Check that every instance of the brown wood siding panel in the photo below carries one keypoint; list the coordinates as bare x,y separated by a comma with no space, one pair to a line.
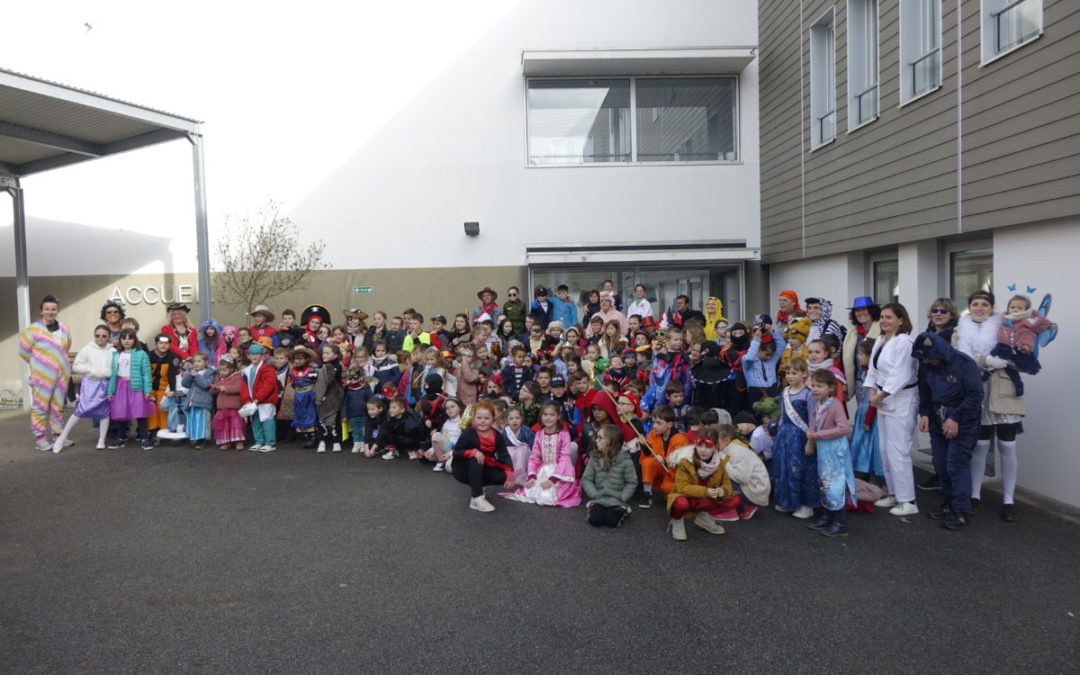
1010,213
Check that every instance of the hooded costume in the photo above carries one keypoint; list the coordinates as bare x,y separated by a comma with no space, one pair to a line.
712,317
825,325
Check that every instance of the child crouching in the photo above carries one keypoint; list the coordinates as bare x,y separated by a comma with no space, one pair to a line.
702,488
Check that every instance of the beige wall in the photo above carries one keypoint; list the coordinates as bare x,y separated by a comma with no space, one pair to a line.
430,291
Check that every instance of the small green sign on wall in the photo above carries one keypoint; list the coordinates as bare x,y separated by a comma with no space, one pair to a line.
363,290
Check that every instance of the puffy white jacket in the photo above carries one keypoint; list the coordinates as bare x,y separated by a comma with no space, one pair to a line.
93,361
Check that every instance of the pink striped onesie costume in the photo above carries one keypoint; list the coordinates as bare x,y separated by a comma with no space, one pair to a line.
47,353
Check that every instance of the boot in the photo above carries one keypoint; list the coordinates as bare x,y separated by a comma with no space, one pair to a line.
838,527
823,520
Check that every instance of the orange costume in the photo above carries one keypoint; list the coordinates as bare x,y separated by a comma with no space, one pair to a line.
660,476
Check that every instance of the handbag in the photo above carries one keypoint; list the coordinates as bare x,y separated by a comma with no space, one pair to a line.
248,409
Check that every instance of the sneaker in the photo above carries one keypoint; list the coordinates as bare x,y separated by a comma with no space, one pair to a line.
747,511
646,501
146,444
321,447
974,505
625,515
886,502
782,509
940,513
413,454
481,504
727,516
821,522
439,466
704,521
931,483
1008,513
678,529
355,448
390,454
268,448
337,447
904,509
256,448
116,444
804,512
43,445
955,522
834,530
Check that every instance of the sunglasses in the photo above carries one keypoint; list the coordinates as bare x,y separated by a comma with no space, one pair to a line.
112,311
940,310
104,335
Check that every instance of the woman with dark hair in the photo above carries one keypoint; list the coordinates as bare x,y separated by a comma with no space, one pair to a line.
506,335
460,333
44,346
891,380
591,306
864,317
1002,410
112,313
943,318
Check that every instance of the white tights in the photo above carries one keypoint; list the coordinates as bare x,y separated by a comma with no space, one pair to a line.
72,421
1009,468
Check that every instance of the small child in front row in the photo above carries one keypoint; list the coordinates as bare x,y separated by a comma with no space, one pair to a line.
828,435
229,427
702,488
794,475
200,399
443,440
130,390
376,415
609,480
663,439
328,397
519,442
552,479
865,448
480,457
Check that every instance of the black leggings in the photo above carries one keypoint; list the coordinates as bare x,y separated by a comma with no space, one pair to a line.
611,516
476,475
1005,432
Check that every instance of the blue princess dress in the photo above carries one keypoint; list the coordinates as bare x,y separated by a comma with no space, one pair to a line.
794,475
865,454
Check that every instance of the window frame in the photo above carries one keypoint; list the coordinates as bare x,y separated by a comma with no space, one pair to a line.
736,121
988,29
827,21
852,98
906,82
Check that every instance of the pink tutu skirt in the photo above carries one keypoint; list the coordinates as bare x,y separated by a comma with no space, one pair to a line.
128,404
229,427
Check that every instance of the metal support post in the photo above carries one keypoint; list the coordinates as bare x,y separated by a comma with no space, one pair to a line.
202,235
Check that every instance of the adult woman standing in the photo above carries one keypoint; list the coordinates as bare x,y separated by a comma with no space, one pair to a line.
183,338
864,318
892,379
112,313
943,318
640,305
44,345
1002,410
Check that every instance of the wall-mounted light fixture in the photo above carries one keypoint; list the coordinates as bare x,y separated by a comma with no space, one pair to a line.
472,229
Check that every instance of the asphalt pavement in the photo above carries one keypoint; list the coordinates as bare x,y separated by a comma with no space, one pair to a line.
174,560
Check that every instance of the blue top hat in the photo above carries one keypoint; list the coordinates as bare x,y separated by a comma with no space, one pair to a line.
862,301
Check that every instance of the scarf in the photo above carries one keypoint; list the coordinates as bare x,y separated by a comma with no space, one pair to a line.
977,338
706,469
824,365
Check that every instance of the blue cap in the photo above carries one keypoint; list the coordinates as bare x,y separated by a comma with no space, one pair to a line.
862,301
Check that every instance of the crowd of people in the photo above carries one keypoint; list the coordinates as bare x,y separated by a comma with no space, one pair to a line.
599,403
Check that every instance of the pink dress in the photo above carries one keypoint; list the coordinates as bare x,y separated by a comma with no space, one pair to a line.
550,460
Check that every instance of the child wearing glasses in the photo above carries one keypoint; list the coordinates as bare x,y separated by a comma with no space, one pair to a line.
92,368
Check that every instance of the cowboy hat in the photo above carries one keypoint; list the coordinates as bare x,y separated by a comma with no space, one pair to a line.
356,313
487,289
307,351
265,311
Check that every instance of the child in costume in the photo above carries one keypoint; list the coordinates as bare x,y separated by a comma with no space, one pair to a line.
609,480
656,470
93,364
260,386
794,475
359,389
519,439
164,364
702,488
328,398
229,427
480,457
552,480
820,357
1017,337
200,399
302,377
798,332
130,391
828,434
865,454
443,440
384,366
760,362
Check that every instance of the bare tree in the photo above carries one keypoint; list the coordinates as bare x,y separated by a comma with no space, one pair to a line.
261,257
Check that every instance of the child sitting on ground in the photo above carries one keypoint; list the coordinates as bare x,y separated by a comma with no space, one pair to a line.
403,430
609,480
480,457
376,416
552,480
519,439
443,440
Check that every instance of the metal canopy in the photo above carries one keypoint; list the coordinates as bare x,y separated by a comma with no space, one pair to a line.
45,125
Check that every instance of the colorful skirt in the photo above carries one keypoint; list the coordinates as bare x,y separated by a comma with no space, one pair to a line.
794,475
304,416
865,452
198,423
128,404
229,427
93,399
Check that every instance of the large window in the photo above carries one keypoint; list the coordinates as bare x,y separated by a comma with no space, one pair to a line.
920,48
646,119
886,274
862,49
1007,24
970,271
822,81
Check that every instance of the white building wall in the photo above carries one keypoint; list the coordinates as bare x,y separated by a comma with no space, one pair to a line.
829,277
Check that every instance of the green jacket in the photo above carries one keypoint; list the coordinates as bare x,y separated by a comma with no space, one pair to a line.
613,487
140,372
515,311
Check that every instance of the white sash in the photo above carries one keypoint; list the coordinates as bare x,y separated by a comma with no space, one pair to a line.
793,417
